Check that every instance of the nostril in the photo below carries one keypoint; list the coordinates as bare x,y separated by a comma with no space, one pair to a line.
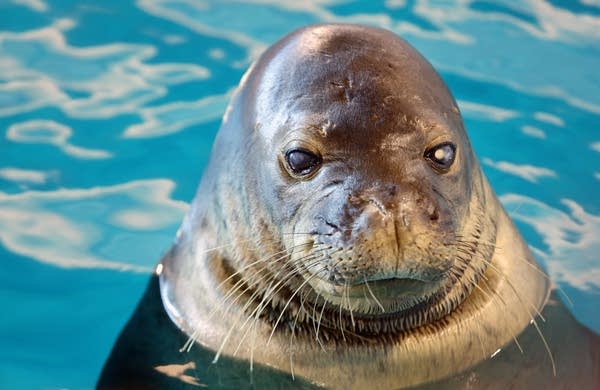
434,216
332,225
392,189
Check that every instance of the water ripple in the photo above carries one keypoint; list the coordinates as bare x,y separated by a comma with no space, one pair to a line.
52,133
121,227
39,68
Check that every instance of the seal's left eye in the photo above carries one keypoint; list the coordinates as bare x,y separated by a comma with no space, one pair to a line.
442,155
302,162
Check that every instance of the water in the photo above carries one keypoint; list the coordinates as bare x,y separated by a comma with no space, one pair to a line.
108,111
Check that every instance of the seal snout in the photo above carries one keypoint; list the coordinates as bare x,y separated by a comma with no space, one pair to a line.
384,232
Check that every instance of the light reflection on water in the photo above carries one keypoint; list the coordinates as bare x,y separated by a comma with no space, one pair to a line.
108,110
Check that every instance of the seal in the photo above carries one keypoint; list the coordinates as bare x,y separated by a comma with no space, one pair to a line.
343,232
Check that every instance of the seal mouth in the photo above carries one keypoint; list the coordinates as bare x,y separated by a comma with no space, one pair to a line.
394,287
376,297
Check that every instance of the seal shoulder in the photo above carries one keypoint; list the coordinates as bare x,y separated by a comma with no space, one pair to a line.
148,355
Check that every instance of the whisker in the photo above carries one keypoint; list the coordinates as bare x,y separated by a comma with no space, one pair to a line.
241,282
280,253
256,316
492,266
294,335
245,307
341,323
346,294
373,295
287,304
545,346
272,289
301,233
533,265
192,338
498,297
532,316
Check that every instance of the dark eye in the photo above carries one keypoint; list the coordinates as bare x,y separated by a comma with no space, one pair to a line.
442,155
302,162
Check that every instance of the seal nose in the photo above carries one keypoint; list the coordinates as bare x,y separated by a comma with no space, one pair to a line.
383,197
382,232
408,207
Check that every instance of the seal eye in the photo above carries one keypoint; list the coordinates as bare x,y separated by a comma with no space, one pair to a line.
301,162
442,155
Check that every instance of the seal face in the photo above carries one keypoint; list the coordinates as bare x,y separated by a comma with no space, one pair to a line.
343,209
373,182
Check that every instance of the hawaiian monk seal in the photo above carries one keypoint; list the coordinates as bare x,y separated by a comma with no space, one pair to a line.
343,231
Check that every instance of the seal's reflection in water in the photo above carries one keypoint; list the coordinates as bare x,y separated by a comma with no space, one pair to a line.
344,232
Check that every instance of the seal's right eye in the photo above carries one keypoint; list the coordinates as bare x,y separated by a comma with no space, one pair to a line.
302,162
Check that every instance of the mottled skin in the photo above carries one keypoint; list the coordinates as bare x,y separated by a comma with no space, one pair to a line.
375,268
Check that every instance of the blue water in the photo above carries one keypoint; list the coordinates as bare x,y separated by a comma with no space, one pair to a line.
108,110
